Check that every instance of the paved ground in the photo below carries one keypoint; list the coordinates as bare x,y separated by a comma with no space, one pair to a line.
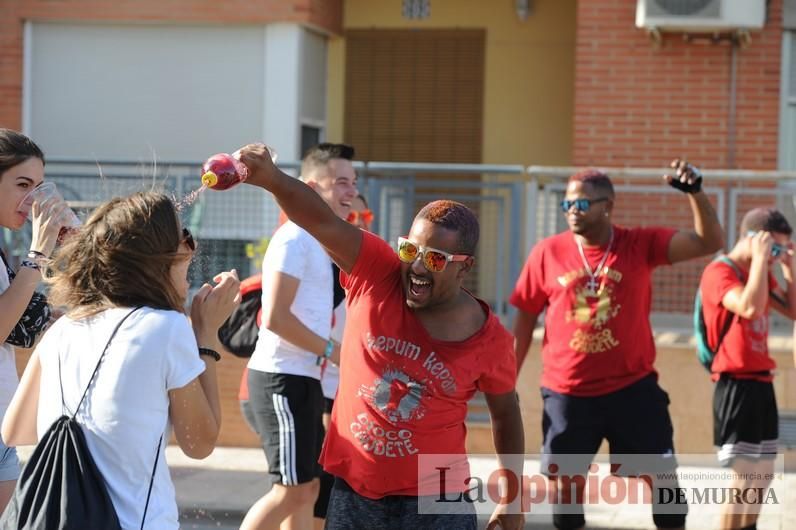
216,492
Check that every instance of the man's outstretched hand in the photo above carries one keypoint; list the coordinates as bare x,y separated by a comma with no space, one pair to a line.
257,158
687,178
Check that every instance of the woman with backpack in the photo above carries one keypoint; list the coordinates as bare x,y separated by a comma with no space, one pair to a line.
126,343
23,312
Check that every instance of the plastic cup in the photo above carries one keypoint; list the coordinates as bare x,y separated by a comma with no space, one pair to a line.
40,194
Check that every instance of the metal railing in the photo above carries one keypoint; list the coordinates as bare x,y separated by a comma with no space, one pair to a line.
650,202
516,206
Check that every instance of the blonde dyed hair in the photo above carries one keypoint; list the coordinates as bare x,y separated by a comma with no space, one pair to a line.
121,257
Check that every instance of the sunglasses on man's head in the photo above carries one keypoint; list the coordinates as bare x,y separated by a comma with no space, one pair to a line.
188,239
433,260
366,215
581,205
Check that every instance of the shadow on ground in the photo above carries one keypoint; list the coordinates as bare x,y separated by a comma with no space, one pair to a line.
218,499
203,520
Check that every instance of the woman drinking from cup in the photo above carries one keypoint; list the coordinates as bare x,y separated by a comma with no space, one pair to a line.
23,312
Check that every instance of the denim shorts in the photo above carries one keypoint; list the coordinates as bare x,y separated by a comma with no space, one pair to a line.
9,463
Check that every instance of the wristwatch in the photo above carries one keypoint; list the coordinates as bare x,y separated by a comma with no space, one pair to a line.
212,353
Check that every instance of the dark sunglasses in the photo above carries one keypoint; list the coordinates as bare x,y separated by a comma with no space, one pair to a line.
581,205
187,238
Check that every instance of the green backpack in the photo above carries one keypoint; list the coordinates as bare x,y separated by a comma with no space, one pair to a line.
704,352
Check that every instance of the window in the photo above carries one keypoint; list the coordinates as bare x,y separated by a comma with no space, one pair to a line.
787,132
310,136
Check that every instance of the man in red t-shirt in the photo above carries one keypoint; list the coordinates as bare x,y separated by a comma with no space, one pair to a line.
737,293
598,380
416,348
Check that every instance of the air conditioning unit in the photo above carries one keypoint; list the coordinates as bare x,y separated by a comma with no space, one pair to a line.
700,15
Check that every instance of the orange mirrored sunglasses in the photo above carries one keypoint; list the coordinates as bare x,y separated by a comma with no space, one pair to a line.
434,260
366,215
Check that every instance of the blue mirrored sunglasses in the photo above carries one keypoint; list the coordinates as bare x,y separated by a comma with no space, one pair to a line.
776,249
580,205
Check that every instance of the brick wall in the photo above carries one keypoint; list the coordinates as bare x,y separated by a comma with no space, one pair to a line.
325,15
637,105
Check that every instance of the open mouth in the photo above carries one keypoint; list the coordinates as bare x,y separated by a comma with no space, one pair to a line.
419,287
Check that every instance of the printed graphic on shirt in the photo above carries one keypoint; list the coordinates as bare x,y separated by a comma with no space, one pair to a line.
594,305
398,396
391,443
758,334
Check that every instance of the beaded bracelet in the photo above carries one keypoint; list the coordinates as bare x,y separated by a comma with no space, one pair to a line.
30,264
212,353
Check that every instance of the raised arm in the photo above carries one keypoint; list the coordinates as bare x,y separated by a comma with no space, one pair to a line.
195,409
303,206
707,236
750,302
15,299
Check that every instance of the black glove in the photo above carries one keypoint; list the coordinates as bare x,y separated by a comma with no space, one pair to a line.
690,173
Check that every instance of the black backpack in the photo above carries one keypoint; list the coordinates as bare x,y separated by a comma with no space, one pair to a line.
60,487
239,332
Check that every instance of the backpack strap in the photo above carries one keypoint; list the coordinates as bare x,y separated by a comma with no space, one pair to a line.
724,330
151,481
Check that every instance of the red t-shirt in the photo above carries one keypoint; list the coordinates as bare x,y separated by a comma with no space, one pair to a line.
403,393
594,343
744,349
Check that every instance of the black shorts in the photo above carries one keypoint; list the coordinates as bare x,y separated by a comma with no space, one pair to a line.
248,415
287,412
327,405
635,421
745,419
348,510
